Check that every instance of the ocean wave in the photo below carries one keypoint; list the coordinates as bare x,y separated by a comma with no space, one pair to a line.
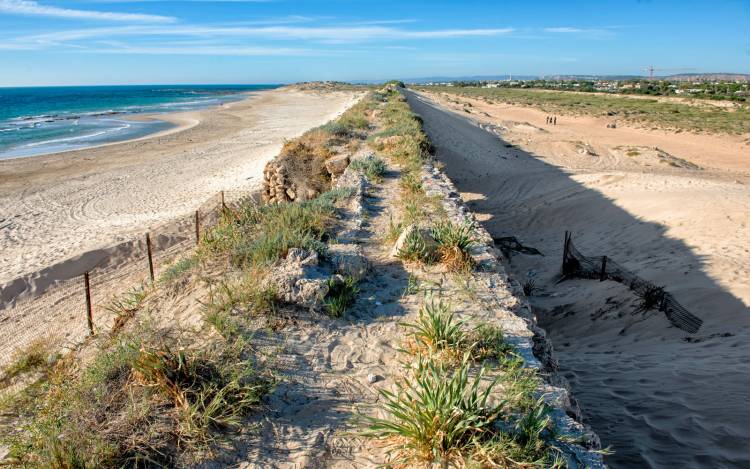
78,137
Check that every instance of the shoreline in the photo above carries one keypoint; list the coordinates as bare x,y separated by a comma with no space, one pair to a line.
175,118
59,205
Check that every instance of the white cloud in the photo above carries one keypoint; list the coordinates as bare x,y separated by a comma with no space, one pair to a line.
563,29
29,7
337,34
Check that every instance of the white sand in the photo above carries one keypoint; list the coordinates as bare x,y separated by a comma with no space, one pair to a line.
660,397
58,206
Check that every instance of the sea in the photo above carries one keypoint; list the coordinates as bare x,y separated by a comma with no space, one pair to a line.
42,120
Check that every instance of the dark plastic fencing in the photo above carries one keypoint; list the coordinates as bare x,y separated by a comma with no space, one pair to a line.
576,265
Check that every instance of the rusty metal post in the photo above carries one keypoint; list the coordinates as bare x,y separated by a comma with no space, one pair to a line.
197,227
89,312
603,273
223,204
150,258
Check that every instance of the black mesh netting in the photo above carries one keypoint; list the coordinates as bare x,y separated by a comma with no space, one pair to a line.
576,265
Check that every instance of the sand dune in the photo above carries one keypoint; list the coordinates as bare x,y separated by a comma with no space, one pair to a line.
659,396
58,206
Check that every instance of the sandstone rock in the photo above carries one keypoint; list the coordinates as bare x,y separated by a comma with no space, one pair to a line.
299,278
292,195
337,164
349,260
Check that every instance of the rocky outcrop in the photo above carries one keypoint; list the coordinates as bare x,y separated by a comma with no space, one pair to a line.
300,279
337,164
348,260
278,188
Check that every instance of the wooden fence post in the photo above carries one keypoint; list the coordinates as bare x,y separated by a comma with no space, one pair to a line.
223,204
603,273
197,227
89,312
150,258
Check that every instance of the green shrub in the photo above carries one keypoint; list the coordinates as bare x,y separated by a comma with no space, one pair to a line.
437,331
139,402
341,295
434,415
373,167
261,235
337,129
453,244
415,248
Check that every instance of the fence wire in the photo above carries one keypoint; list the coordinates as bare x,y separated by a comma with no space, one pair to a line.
653,296
58,315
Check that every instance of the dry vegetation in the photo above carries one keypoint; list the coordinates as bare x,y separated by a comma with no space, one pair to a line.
169,387
466,400
644,111
166,387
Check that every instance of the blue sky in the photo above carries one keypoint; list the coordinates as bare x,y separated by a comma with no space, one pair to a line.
45,42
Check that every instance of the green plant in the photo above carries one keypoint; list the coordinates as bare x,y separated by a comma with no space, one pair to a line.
261,235
435,414
342,294
337,129
414,248
489,342
38,354
410,183
179,268
394,229
412,285
437,331
529,287
205,395
373,167
453,244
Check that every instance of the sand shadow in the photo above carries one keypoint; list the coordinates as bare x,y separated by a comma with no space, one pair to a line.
660,397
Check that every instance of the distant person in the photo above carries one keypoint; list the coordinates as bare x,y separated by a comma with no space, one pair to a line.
555,122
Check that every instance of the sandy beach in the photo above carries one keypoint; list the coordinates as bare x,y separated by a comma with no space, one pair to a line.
57,206
672,207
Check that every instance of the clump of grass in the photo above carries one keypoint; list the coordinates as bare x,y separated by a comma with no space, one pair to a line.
205,395
415,248
529,287
38,354
394,229
410,183
650,297
251,294
437,332
489,342
261,235
434,415
412,285
337,129
453,244
441,416
342,294
179,269
373,167
141,401
126,305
